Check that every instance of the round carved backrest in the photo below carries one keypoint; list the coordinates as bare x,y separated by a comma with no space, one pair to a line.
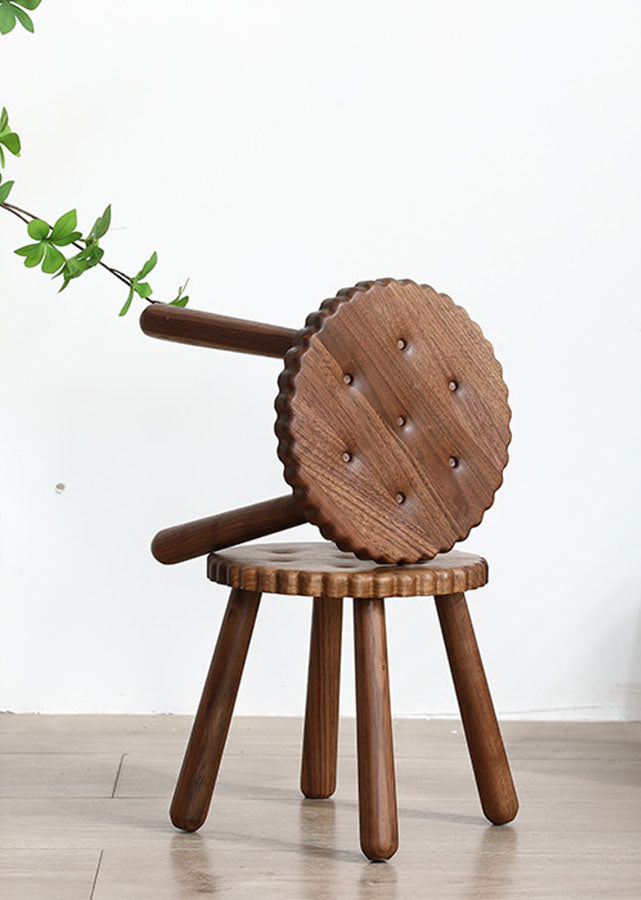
393,421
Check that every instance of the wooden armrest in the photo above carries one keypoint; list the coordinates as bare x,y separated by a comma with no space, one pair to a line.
190,326
181,542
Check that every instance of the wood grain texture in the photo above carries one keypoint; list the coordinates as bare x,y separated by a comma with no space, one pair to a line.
393,421
197,778
320,740
321,569
484,741
376,779
192,539
191,326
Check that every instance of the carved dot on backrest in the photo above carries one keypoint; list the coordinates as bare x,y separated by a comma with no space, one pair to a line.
361,333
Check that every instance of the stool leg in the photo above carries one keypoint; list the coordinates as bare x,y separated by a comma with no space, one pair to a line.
197,778
320,741
376,783
489,761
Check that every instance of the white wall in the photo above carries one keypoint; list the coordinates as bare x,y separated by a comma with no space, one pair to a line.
276,152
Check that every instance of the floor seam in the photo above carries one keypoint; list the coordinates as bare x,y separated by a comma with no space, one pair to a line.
95,878
113,792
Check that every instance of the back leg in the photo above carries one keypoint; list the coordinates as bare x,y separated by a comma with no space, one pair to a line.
320,742
484,741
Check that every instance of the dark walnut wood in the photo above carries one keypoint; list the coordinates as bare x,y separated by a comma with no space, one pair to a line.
321,569
192,539
376,780
320,740
393,426
393,421
484,741
199,771
191,326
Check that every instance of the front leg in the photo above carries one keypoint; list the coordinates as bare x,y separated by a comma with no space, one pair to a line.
376,782
197,778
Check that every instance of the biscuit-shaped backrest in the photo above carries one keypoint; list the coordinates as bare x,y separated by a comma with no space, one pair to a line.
393,421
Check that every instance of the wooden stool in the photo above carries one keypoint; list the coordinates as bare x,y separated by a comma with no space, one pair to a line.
393,427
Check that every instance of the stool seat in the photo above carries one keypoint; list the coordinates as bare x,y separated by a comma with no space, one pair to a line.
321,569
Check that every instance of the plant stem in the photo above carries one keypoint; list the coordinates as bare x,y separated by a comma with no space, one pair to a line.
15,212
23,214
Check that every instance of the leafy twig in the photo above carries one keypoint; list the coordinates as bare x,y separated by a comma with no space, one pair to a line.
48,239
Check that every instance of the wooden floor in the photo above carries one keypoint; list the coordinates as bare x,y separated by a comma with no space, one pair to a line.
84,806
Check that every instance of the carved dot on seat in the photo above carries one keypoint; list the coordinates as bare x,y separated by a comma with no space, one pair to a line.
347,456
401,421
400,498
347,378
401,343
453,462
453,385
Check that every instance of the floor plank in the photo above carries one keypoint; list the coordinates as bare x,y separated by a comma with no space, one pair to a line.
282,736
54,874
577,834
58,775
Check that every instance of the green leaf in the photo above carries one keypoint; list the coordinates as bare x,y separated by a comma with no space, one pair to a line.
91,255
23,18
64,226
53,259
130,297
148,266
24,251
84,260
180,300
101,225
10,139
142,288
38,229
69,239
32,254
7,19
28,4
73,268
5,190
7,137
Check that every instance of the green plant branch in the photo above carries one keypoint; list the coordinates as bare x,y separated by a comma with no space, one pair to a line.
48,239
45,251
23,214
